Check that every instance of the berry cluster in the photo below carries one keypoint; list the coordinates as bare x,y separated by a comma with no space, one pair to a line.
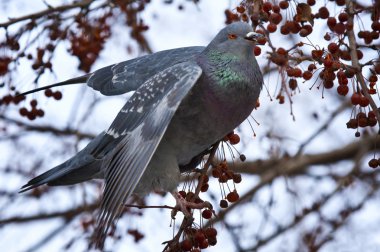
224,174
8,99
33,113
328,64
87,43
196,239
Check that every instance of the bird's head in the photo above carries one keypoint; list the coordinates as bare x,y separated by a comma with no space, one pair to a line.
234,36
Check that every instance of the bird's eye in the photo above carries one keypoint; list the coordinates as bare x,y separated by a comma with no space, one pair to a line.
232,36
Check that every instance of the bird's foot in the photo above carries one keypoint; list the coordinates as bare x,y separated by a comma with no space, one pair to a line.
185,206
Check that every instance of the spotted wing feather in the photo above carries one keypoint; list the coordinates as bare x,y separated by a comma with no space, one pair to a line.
128,75
137,131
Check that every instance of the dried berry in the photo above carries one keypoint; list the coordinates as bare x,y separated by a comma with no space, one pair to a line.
283,4
323,12
373,163
223,203
342,90
57,95
210,232
207,214
233,196
234,139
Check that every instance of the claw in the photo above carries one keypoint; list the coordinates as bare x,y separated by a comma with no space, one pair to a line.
183,205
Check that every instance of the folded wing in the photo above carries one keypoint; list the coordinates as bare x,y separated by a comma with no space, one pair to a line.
133,137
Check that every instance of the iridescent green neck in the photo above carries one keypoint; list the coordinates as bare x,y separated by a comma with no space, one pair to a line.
225,67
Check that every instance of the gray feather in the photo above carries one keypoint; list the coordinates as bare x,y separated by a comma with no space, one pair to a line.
128,75
139,140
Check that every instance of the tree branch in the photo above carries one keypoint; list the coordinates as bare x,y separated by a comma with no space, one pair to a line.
271,169
355,60
36,15
48,128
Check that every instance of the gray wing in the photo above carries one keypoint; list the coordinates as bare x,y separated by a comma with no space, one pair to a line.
129,75
135,134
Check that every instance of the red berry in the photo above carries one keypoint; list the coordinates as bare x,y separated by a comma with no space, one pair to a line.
57,95
275,18
364,101
375,26
183,194
23,111
343,81
212,241
373,78
343,17
207,214
328,84
210,232
240,9
340,2
307,75
373,163
293,84
340,28
352,124
33,103
282,51
31,116
371,114
272,27
284,4
359,53
327,63
311,67
203,244
234,139
355,98
236,177
362,122
333,47
267,6
40,113
276,9
48,92
216,173
331,22
372,121
257,50
323,12
223,203
233,196
199,236
342,90
204,187
186,245
297,72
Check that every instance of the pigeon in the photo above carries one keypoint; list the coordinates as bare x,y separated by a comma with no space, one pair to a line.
185,100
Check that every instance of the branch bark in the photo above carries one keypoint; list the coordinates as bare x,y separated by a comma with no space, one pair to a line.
354,58
36,15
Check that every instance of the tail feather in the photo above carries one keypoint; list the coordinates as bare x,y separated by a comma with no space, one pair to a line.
83,166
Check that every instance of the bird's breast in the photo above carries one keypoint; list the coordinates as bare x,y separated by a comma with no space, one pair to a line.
207,114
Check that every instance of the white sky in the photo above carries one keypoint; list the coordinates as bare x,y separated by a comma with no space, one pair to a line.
170,29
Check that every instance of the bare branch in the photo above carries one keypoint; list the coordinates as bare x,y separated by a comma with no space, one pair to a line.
36,15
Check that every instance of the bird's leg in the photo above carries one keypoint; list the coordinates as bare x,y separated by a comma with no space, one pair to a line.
185,206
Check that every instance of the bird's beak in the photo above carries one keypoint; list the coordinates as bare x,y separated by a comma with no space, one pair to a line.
253,36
